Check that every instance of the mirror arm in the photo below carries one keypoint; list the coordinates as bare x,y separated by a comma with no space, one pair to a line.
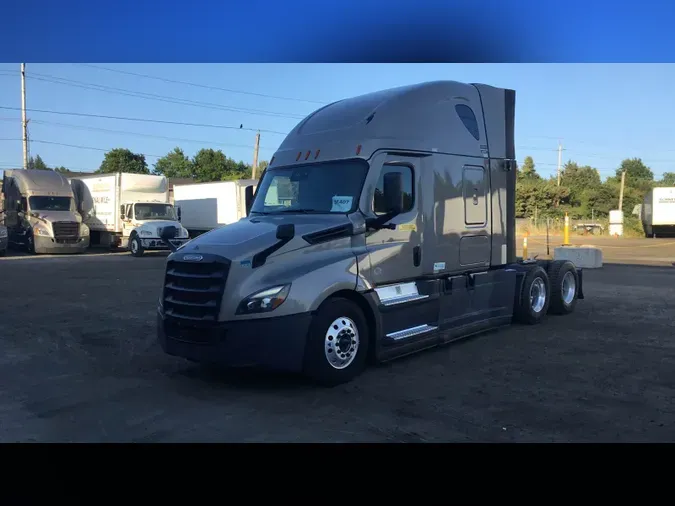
381,221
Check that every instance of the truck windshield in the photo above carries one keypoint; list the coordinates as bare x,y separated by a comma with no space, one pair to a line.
154,212
50,203
333,187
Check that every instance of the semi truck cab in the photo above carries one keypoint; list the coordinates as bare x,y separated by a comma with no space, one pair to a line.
41,214
384,225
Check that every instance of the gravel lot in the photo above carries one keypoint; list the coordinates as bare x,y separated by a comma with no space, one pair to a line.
79,362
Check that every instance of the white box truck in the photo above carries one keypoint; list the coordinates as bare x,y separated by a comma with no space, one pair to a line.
658,212
205,206
129,211
400,236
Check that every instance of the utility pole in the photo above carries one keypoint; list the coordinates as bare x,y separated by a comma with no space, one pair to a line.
559,161
255,156
623,181
24,121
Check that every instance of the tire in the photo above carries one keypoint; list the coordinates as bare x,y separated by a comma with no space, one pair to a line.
564,281
135,246
535,293
336,317
30,244
3,252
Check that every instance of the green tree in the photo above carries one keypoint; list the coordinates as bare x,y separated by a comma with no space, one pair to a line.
212,165
668,179
174,164
61,169
528,171
37,163
638,175
123,160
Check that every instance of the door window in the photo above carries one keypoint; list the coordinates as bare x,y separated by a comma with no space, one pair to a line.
379,206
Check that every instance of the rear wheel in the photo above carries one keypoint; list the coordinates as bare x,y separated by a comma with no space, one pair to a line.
534,297
337,344
564,281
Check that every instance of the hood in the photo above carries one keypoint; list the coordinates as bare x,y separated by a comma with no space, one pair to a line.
157,223
54,216
248,236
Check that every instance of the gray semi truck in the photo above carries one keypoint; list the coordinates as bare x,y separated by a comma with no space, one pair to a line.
41,214
398,234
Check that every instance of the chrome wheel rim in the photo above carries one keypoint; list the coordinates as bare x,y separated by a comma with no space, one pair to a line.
341,343
537,295
134,245
569,287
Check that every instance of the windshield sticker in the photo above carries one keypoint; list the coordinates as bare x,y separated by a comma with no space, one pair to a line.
341,204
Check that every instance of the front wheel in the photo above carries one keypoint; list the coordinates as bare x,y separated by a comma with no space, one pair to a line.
30,244
337,344
136,247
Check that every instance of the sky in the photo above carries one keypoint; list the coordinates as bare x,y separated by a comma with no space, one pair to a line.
600,113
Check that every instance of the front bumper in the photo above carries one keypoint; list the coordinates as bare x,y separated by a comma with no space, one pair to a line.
49,245
159,244
271,343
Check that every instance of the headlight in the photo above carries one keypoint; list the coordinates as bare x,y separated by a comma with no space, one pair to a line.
84,230
40,229
145,233
3,232
264,301
183,233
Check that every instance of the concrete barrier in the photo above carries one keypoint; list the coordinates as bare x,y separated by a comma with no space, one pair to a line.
586,257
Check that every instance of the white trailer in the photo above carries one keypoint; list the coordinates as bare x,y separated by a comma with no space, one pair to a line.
130,211
658,212
205,206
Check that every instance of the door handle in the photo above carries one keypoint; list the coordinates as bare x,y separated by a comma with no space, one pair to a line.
417,256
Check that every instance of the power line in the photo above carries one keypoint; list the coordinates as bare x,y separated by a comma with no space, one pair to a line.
146,120
161,98
205,86
135,134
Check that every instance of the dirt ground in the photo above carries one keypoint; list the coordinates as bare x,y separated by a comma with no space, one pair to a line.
79,362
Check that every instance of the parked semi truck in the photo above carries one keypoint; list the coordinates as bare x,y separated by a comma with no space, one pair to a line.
205,206
129,211
4,240
41,214
658,212
400,236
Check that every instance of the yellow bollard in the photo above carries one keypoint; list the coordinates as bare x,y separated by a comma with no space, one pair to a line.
525,247
566,231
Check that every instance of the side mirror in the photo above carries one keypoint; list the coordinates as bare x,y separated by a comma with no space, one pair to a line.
286,232
178,213
393,192
122,216
248,197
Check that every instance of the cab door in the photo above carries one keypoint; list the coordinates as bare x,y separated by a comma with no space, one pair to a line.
127,226
395,253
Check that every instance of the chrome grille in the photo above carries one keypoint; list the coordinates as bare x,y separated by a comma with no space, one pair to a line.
65,230
194,290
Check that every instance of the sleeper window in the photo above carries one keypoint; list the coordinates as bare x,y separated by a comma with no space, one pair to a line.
378,201
469,119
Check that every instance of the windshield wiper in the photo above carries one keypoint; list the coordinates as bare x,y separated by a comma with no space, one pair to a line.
301,211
